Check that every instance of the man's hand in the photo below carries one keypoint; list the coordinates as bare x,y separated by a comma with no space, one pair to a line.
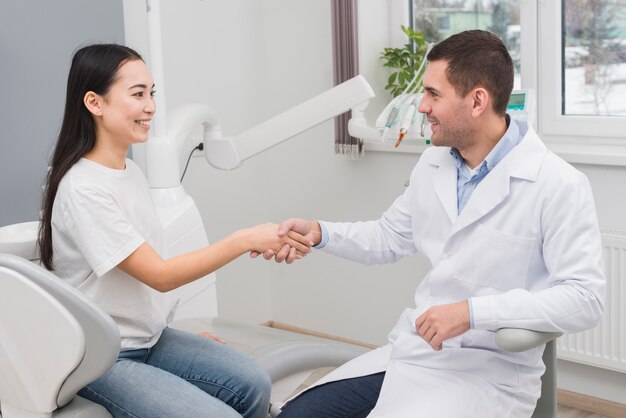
309,230
443,322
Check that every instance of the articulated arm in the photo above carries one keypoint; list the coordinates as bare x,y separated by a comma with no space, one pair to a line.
166,155
229,153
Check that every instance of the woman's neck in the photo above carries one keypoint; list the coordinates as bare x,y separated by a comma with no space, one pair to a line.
108,156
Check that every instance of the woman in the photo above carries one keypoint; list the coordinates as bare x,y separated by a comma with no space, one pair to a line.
100,232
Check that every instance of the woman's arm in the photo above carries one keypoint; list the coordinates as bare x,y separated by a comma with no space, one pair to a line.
147,266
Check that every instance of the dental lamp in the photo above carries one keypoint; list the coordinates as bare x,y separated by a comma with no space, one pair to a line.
229,153
171,142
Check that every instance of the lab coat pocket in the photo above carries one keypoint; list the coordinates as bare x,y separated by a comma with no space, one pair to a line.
496,259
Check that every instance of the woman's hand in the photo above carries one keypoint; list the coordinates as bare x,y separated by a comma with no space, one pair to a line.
306,232
212,336
265,237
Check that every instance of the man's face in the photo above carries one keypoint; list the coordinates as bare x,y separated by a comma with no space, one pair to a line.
448,113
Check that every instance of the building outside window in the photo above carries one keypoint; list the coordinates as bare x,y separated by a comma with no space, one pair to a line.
438,19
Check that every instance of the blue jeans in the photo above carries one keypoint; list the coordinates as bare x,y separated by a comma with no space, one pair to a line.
183,375
349,398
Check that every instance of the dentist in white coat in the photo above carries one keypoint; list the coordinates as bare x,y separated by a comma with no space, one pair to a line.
511,234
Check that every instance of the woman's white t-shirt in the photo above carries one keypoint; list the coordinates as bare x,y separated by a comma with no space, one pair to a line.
101,216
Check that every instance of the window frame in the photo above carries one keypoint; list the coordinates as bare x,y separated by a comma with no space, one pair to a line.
549,52
577,138
599,140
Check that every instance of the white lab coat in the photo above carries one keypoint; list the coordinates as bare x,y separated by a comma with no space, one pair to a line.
525,250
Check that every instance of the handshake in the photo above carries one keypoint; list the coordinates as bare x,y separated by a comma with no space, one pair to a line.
292,241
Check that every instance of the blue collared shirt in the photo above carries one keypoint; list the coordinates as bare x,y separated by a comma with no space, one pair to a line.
466,181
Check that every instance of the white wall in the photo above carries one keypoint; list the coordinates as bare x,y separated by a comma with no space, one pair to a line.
250,60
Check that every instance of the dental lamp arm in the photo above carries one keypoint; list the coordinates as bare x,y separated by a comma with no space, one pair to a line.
229,153
166,155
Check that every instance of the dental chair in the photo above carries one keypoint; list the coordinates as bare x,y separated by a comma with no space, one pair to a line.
294,361
517,340
54,340
509,339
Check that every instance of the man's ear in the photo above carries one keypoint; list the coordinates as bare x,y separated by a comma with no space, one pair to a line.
93,103
480,100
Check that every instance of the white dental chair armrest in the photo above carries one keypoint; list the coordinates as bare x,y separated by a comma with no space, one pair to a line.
519,339
53,340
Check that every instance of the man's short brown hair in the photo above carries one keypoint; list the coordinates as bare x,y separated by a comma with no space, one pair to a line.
477,58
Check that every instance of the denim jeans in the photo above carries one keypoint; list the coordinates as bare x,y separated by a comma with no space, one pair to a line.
183,375
349,398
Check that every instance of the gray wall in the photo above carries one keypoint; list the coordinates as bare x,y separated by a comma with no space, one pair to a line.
37,40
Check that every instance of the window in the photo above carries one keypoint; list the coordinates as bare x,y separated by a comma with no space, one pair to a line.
572,53
438,19
582,74
594,57
444,23
379,27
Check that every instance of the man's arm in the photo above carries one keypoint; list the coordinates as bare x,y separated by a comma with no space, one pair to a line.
572,252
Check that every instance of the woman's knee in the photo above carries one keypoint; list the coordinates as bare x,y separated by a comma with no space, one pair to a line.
218,369
260,380
257,387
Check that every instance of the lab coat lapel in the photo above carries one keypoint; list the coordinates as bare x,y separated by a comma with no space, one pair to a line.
524,162
488,194
444,184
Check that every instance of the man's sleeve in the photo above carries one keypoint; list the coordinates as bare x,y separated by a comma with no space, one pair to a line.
572,252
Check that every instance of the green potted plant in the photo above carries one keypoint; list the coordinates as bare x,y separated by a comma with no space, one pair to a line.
404,62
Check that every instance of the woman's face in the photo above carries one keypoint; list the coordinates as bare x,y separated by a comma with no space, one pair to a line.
128,107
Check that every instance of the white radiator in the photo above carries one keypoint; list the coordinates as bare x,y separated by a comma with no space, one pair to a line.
605,345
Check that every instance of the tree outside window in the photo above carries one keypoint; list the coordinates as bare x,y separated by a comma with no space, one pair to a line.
594,57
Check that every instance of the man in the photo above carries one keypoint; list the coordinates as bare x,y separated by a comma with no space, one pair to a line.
512,236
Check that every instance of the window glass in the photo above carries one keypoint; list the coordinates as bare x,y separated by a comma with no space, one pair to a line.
438,19
594,57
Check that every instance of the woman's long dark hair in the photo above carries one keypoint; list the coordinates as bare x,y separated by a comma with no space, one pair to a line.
94,68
